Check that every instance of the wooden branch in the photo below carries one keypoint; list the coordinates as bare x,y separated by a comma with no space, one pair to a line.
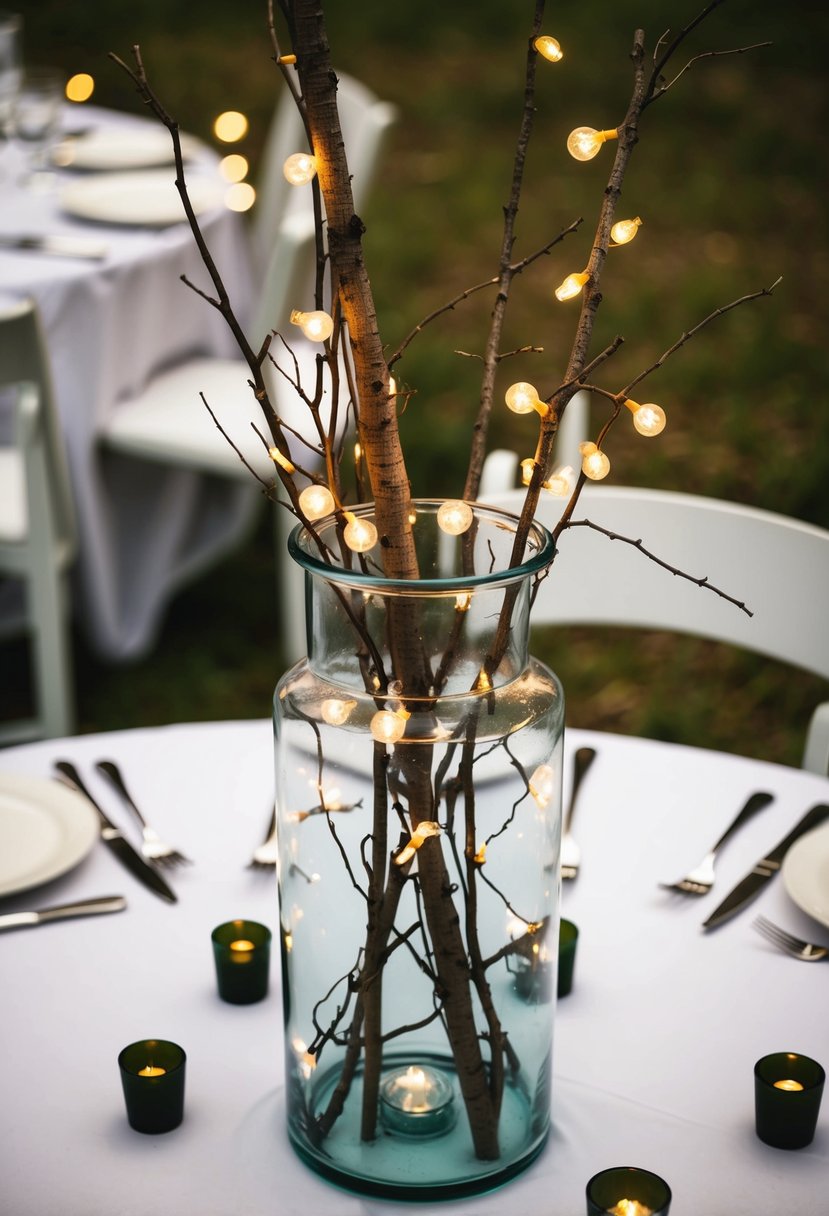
737,50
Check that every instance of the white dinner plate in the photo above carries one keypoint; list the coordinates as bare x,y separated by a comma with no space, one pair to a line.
45,830
120,148
144,199
806,873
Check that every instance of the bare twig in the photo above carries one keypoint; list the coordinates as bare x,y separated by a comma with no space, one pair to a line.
737,50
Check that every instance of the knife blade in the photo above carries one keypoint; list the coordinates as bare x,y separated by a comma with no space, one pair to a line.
83,907
751,886
60,245
115,842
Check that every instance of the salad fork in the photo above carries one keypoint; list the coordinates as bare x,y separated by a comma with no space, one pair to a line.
788,943
570,851
152,846
700,880
264,855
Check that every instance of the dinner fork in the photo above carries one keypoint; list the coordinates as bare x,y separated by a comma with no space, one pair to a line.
152,846
264,855
787,942
570,851
700,880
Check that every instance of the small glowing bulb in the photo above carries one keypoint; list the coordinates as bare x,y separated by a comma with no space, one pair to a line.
230,127
595,464
484,681
542,785
316,501
527,467
585,142
480,857
79,87
648,419
287,59
317,326
463,601
359,534
625,230
336,712
300,168
392,386
240,197
387,727
523,398
571,286
278,458
234,168
454,516
548,47
561,482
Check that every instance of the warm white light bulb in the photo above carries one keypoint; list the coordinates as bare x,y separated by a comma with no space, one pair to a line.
625,230
585,142
336,712
359,534
300,168
387,727
561,482
316,501
317,326
454,516
522,398
542,785
649,419
527,467
279,458
548,47
571,286
595,464
463,601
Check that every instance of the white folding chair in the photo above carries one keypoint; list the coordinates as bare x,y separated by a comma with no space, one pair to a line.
778,566
37,522
167,421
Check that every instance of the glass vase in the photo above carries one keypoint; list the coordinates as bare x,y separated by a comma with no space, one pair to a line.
418,778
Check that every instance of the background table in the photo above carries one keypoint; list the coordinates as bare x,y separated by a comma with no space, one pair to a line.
109,326
654,1050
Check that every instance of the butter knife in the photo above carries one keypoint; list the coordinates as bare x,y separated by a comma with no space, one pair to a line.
84,907
59,245
112,838
751,886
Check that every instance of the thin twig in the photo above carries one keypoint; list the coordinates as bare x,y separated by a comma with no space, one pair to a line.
737,50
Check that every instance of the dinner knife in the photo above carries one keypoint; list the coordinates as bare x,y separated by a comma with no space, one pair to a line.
59,245
83,907
112,838
750,886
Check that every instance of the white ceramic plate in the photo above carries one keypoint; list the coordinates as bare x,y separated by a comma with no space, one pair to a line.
147,199
45,830
119,148
806,873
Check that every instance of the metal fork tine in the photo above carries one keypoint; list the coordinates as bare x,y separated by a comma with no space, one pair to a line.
795,946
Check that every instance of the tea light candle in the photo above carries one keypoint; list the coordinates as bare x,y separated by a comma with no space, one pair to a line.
152,1078
627,1191
417,1100
241,951
787,1092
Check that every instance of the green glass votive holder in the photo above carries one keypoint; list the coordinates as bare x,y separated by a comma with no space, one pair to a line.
628,1191
787,1091
242,953
152,1076
567,939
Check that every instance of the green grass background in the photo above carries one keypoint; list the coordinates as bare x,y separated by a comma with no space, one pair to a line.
727,178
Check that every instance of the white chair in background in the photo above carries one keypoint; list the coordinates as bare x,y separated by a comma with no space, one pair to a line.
778,566
168,423
37,523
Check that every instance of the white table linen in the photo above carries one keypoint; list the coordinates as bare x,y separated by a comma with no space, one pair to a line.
109,326
654,1048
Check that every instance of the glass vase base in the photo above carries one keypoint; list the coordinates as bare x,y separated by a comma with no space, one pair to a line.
418,1167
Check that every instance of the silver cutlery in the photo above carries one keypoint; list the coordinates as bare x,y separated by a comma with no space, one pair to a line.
152,846
115,842
264,855
570,851
57,245
788,943
749,888
83,907
700,880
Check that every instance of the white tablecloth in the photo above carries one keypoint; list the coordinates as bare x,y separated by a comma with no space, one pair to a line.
655,1046
109,326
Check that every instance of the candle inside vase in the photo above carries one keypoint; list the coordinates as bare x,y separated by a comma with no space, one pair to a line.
788,1084
630,1207
150,1070
241,951
417,1100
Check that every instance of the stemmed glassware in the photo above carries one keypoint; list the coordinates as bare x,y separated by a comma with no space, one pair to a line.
36,123
10,70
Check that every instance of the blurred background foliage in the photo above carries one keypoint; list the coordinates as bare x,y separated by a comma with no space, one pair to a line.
727,180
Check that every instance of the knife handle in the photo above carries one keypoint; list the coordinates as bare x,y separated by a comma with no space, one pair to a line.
85,907
754,804
810,820
70,774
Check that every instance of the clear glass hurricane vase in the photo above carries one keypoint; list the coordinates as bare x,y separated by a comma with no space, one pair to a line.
418,760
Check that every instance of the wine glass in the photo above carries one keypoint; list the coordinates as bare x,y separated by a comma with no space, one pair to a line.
36,121
11,25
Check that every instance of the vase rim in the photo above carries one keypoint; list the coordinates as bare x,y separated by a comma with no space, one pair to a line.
537,561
